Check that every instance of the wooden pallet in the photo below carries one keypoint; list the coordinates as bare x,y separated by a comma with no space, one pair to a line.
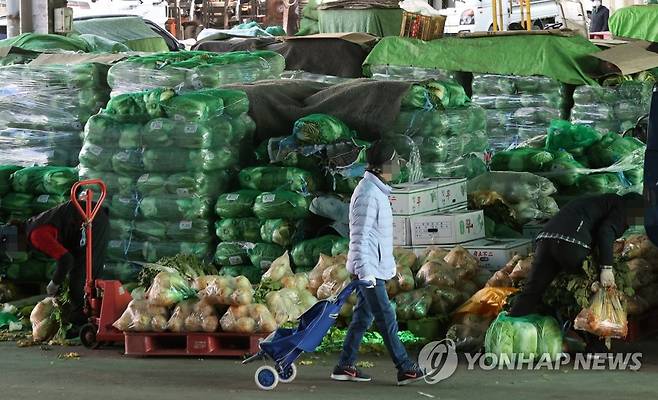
199,344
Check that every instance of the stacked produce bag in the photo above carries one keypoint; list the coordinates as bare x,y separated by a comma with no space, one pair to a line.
579,159
518,108
616,105
24,193
191,70
445,127
511,199
165,158
43,109
640,257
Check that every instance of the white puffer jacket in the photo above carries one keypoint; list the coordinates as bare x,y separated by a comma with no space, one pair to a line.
371,230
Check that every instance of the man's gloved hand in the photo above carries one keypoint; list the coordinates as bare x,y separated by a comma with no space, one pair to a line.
52,288
371,279
607,277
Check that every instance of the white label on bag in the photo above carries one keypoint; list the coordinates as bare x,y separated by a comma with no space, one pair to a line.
179,117
143,178
185,225
232,196
122,156
156,124
191,128
268,198
182,191
114,244
124,200
235,260
43,198
95,150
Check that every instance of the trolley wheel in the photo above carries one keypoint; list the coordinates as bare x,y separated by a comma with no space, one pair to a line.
88,336
289,374
266,377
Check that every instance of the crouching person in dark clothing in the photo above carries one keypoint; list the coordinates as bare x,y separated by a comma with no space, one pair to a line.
582,226
59,234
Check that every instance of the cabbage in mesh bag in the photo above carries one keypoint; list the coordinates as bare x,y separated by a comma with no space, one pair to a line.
564,135
275,178
193,230
263,254
610,149
307,253
44,180
238,230
174,208
238,204
521,160
278,231
467,166
232,253
281,204
45,202
5,177
321,129
531,336
341,246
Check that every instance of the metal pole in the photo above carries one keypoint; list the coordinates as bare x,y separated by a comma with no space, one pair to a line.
13,18
494,14
528,25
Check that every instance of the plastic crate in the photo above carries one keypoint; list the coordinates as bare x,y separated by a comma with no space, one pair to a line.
217,344
422,27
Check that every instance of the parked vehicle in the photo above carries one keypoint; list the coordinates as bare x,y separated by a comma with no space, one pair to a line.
476,15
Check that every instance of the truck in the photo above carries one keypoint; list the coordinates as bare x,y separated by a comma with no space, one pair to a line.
476,15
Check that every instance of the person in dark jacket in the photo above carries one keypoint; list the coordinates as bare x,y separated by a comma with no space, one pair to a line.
59,234
581,227
599,18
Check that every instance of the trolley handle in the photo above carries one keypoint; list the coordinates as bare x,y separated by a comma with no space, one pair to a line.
88,214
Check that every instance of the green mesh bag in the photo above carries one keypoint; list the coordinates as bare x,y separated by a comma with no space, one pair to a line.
321,129
238,230
232,253
45,202
281,204
18,204
531,336
251,272
5,177
563,135
274,178
263,254
208,184
341,246
278,231
174,208
600,183
307,253
521,160
97,158
194,106
610,149
158,132
128,107
147,185
565,170
468,166
193,230
128,163
44,180
238,204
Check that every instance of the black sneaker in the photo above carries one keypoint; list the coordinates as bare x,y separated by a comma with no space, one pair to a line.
413,375
349,373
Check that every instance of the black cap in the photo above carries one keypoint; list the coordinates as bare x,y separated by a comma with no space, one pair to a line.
380,152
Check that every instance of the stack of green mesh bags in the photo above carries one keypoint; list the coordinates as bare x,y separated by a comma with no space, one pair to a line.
190,70
262,220
616,105
408,73
518,108
44,108
447,129
580,160
165,158
24,193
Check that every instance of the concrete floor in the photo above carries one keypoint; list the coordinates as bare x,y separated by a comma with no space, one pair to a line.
35,373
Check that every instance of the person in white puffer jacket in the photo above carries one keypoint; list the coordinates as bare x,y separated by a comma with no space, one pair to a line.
370,258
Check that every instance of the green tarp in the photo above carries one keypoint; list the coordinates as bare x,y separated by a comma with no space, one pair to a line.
378,22
636,22
131,31
46,43
563,58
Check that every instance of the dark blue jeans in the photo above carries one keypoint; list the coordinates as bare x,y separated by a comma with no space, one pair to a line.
373,304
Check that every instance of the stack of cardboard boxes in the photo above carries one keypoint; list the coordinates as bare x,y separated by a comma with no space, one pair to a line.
434,213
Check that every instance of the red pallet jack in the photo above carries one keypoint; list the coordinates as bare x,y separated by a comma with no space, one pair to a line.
105,300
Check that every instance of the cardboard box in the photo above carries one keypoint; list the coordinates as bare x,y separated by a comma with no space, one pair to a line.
451,192
414,198
402,230
494,253
448,228
531,230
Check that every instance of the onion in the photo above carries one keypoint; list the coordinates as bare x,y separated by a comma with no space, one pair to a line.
245,325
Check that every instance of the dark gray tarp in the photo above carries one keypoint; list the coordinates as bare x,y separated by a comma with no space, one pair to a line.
335,57
366,106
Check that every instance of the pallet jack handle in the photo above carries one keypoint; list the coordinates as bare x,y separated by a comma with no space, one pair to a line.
88,214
